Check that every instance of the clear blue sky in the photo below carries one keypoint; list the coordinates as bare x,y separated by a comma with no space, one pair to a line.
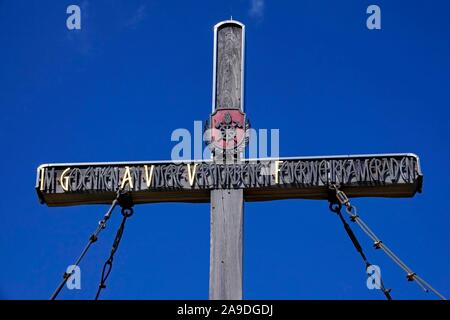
137,70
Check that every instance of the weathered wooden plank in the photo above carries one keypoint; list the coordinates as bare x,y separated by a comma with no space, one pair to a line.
225,279
228,82
392,175
227,213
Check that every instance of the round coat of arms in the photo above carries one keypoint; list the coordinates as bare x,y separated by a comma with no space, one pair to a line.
227,130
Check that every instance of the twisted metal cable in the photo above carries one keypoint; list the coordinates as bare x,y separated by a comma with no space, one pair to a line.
93,238
336,208
378,244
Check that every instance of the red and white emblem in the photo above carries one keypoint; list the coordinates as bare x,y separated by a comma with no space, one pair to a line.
227,130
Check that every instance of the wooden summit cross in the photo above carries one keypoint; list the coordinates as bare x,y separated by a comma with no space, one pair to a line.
227,180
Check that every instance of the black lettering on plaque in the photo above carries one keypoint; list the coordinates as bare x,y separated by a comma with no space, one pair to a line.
385,170
104,178
299,172
168,176
324,171
212,175
178,176
268,177
108,179
235,175
75,175
334,170
87,179
313,168
285,173
351,171
49,180
364,174
373,169
243,177
136,177
96,180
394,171
201,176
407,170
158,177
345,170
338,171
115,174
252,174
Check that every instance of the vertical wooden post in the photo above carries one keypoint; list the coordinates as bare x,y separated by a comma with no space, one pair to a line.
225,279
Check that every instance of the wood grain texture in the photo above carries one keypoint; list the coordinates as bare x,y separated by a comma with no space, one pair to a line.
228,67
227,213
395,175
225,277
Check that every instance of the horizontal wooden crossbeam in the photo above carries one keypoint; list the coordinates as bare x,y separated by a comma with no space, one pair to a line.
382,175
